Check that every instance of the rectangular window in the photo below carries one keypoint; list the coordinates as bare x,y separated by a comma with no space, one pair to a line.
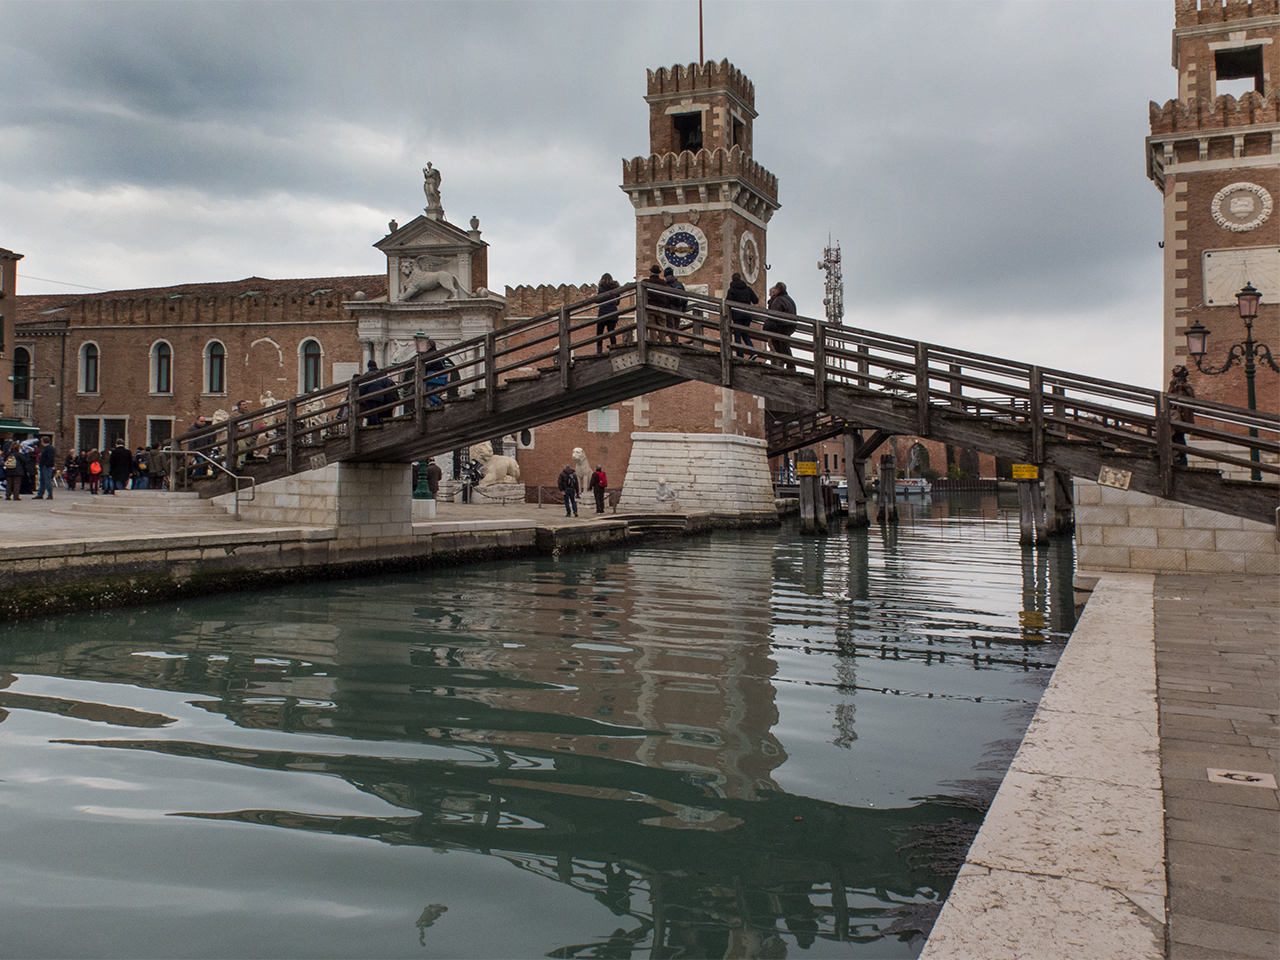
88,432
114,429
688,131
159,430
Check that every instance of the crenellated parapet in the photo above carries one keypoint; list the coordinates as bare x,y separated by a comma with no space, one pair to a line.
718,164
695,78
530,301
1197,13
1198,114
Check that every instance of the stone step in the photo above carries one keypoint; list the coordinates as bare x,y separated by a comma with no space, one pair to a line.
144,504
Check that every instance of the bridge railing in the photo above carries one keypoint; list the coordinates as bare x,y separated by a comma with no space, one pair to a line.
932,378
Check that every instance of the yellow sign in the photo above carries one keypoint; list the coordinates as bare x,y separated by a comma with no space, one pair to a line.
806,468
1026,471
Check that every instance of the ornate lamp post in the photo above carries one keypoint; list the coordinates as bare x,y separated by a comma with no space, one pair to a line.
423,489
1248,352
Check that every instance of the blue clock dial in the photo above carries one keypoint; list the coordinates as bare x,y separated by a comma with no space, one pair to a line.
681,249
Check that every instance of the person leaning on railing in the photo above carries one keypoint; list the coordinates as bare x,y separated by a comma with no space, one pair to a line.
607,313
1180,386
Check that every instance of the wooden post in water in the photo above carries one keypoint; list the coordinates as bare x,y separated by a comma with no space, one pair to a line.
812,514
1031,526
888,489
855,480
1059,511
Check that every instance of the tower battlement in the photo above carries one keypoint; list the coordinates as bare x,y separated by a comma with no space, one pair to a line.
1196,13
710,165
708,76
1177,116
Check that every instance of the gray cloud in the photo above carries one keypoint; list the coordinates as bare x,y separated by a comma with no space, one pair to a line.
981,158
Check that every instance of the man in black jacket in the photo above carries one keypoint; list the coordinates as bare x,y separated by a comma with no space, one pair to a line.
46,462
780,302
120,466
740,292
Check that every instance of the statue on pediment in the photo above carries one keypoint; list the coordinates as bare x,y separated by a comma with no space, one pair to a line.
431,187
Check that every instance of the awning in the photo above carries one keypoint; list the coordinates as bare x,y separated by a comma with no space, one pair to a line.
10,425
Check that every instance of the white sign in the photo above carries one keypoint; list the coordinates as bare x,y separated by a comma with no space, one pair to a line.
1225,272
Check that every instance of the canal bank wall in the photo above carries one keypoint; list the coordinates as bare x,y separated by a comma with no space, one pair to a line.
52,574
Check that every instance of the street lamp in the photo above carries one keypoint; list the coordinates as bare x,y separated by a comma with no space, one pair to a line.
423,491
1248,351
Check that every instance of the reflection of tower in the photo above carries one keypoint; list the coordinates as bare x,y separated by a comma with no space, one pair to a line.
1212,154
702,205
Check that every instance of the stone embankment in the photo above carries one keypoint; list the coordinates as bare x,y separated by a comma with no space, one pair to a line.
81,553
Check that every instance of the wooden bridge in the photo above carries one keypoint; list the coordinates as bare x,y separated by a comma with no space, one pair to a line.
839,378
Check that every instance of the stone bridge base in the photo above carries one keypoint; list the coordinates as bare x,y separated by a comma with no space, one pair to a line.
366,501
705,471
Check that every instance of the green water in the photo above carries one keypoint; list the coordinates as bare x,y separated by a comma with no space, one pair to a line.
749,744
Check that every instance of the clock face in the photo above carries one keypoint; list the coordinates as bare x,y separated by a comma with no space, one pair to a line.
749,256
683,248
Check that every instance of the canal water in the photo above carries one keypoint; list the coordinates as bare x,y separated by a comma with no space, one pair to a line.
751,744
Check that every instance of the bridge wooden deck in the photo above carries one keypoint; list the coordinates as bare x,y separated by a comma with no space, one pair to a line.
546,368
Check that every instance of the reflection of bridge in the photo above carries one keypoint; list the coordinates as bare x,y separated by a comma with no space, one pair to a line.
547,368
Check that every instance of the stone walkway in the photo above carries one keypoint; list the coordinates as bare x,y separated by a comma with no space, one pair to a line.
1111,836
1217,659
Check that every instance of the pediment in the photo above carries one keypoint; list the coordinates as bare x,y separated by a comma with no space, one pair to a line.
427,235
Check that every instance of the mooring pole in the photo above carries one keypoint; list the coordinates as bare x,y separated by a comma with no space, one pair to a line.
888,488
1059,511
855,482
810,496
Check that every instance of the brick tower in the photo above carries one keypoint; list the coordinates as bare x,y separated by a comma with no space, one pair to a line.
1216,158
702,206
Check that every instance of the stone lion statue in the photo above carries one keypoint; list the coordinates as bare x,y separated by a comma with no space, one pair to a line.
426,273
497,468
582,468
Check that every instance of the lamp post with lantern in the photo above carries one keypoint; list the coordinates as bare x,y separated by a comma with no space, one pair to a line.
421,344
1247,352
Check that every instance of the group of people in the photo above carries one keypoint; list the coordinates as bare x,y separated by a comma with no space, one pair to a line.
667,307
571,487
31,467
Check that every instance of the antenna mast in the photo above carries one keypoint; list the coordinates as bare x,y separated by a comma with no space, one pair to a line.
701,58
834,299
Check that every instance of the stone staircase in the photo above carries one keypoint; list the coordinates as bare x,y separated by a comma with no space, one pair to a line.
152,504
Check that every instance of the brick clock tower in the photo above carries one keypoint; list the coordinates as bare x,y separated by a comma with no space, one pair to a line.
702,207
1215,156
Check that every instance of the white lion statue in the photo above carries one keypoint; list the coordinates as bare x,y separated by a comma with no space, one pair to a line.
497,468
582,468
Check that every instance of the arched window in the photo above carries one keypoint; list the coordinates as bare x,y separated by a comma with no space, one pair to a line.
161,367
311,366
21,373
89,368
215,368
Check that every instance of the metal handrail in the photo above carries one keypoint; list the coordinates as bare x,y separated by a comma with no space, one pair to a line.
199,455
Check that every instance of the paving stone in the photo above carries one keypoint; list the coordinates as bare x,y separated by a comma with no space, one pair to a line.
1202,789
1240,942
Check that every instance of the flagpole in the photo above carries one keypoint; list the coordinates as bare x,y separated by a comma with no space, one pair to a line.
701,59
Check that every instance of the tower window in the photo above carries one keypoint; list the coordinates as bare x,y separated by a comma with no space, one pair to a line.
738,133
688,130
1243,65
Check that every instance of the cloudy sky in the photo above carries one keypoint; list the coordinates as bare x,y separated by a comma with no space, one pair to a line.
980,163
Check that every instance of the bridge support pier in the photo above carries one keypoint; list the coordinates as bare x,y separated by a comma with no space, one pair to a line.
855,472
1059,507
368,502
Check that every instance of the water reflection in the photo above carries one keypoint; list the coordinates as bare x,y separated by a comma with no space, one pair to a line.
672,732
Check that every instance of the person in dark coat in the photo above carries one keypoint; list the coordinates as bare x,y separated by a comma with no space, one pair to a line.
607,313
598,484
780,302
740,292
71,471
120,466
569,486
46,463
27,457
375,393
1180,386
659,304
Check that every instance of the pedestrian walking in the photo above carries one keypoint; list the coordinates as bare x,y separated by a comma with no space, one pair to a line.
607,313
569,486
120,467
740,292
1180,386
780,302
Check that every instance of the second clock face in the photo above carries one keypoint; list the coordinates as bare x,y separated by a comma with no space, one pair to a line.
683,248
749,256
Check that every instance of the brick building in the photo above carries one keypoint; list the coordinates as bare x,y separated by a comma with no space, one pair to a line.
1215,156
143,364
